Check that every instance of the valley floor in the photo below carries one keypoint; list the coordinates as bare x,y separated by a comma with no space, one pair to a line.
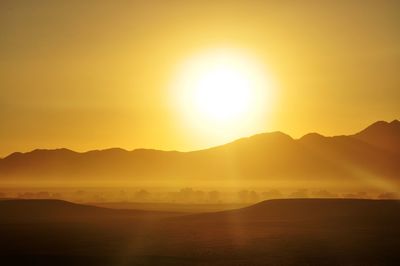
276,232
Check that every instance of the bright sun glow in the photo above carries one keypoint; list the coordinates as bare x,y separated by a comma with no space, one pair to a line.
224,90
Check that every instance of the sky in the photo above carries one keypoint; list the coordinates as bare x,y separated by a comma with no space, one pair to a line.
98,74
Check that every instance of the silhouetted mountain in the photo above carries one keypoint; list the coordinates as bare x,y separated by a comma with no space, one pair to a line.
383,135
367,157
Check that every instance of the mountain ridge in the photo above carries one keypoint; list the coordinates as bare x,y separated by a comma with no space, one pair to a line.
379,123
266,157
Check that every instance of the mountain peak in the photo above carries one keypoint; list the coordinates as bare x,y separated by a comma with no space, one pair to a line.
380,126
40,153
382,134
274,134
377,125
59,150
258,140
312,137
395,122
270,136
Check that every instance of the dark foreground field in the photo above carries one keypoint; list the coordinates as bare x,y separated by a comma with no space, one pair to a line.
276,232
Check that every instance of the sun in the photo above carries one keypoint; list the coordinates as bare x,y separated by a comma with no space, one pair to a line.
223,90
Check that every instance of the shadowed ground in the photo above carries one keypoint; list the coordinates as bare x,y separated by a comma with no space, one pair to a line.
276,232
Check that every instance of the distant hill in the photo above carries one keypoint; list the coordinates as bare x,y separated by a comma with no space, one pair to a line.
369,157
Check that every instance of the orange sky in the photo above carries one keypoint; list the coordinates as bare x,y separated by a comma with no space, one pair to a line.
97,74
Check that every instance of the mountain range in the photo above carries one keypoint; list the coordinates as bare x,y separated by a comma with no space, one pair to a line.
370,157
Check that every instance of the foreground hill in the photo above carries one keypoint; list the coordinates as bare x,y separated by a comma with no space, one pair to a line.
371,156
42,210
276,232
304,210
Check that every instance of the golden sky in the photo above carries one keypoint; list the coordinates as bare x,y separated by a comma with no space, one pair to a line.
97,74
